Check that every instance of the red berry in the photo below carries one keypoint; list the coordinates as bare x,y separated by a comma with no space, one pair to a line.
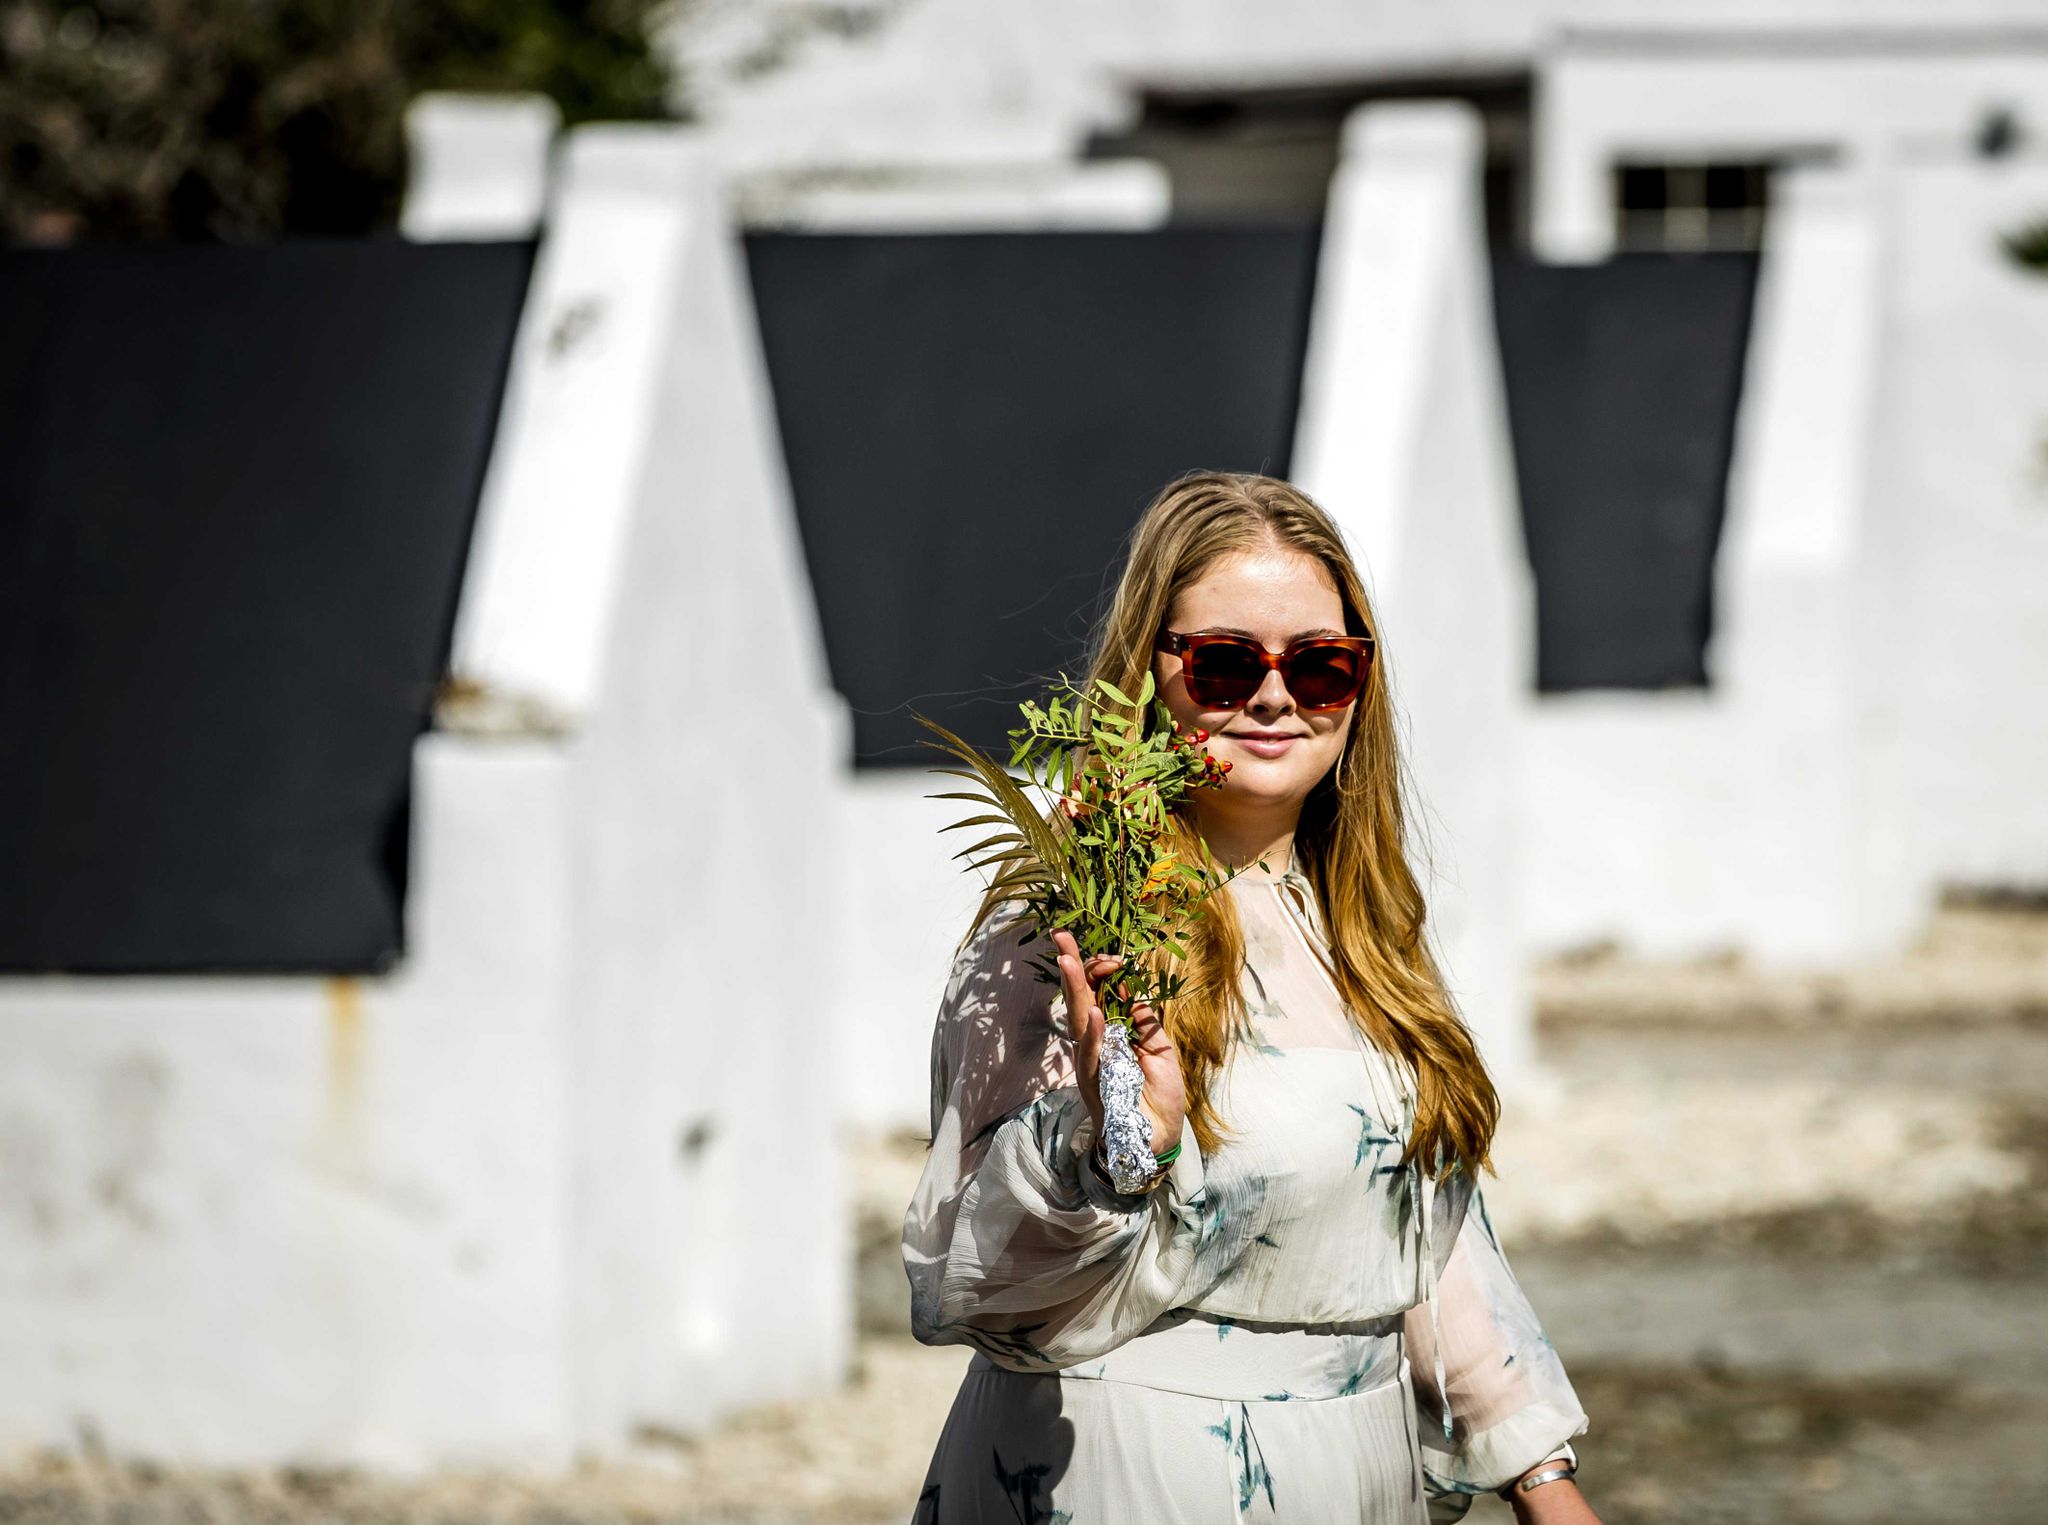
1201,735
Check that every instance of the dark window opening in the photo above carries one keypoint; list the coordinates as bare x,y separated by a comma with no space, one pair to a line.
1623,384
973,422
236,493
1259,154
1691,207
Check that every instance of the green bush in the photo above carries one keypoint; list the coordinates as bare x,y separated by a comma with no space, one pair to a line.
244,120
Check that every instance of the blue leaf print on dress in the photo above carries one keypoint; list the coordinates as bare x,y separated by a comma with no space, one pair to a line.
1209,1221
1350,1364
1260,1007
1229,1212
1253,1477
1371,1140
1486,1221
1355,1382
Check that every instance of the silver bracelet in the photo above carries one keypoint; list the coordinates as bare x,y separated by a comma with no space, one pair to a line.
1126,1133
1098,1164
1557,1472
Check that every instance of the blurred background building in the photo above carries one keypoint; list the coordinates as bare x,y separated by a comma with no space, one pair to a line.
484,489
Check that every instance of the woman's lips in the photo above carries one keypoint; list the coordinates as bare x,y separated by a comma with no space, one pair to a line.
1264,746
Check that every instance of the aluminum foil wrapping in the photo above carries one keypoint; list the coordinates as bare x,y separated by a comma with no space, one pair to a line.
1126,1133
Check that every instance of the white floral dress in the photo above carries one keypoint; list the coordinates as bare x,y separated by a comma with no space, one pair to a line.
1296,1328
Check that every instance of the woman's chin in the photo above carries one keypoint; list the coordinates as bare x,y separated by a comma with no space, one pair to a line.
1271,784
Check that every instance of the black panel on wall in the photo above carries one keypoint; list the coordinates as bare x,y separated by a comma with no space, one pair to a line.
1622,381
236,490
973,422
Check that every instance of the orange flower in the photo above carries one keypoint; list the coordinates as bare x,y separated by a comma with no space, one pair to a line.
1156,882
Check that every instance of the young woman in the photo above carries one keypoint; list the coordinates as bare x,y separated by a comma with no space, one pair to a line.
1305,1316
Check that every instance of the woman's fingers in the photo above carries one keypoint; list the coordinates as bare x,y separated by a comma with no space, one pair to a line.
1080,996
1091,973
1084,1022
1147,1031
1081,981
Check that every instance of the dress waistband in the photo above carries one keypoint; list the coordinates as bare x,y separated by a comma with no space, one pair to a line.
1208,1356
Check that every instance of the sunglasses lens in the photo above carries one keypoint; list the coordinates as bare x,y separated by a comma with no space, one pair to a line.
1323,677
1222,674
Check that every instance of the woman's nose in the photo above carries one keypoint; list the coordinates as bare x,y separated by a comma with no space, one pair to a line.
1272,697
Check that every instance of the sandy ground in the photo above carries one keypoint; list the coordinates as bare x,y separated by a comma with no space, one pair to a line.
1789,1235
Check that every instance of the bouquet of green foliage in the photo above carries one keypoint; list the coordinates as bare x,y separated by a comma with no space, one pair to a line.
1102,866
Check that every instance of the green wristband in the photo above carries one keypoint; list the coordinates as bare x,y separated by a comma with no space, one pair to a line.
1169,1157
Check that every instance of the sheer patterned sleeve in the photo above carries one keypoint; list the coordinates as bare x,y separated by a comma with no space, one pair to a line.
1511,1403
1012,1243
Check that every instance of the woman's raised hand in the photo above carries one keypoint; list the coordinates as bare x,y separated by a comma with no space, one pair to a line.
1165,1098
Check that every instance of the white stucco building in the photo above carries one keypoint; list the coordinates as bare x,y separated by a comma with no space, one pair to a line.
519,1196
1833,774
498,1203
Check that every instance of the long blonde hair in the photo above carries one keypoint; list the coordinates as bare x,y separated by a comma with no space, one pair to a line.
1349,841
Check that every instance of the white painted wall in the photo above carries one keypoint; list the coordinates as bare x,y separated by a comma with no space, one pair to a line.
906,902
573,1168
1820,868
637,572
932,83
1960,458
909,82
1617,790
479,165
1853,97
248,1221
1102,194
1872,732
1224,41
1006,87
1767,813
1403,439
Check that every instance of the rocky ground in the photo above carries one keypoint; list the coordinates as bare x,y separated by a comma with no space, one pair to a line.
1788,1233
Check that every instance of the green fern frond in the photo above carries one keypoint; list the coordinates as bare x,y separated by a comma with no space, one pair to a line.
1102,871
1036,861
1008,797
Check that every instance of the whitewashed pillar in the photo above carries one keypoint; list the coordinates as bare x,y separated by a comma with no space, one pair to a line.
1812,863
1403,438
637,587
479,166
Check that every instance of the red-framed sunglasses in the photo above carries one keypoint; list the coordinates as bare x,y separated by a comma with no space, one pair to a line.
1222,672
